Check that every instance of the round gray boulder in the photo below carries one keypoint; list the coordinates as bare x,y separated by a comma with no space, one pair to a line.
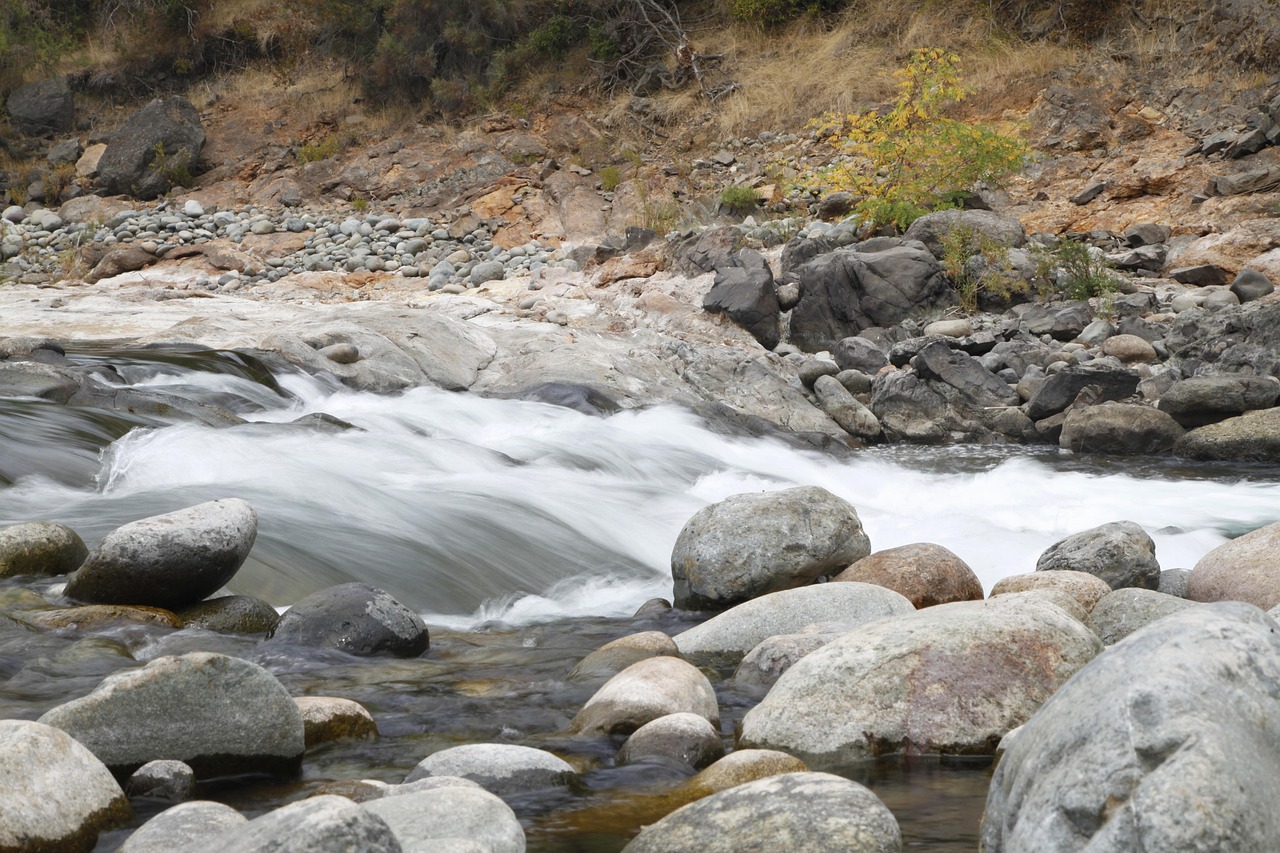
169,560
732,634
325,824
615,656
1244,569
183,827
448,817
162,780
219,714
1124,611
947,680
643,692
40,548
1169,741
751,544
687,738
499,768
794,811
1120,553
356,618
56,794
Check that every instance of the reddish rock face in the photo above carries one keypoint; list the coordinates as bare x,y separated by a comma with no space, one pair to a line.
925,573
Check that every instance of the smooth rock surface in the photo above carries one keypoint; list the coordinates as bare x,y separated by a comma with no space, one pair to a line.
325,824
616,655
1124,611
328,718
1251,437
40,548
1119,553
1244,569
450,819
1126,429
684,737
1085,588
924,573
500,768
358,619
164,780
643,692
231,614
183,827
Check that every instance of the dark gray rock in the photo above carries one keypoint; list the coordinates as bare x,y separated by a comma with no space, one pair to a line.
1126,429
41,108
978,387
1146,234
685,738
932,228
1251,437
745,292
358,619
57,796
499,768
798,251
793,811
815,368
231,614
323,824
751,544
171,560
913,409
40,548
153,148
183,827
1174,582
1204,275
707,250
219,714
1237,339
848,290
1166,742
64,153
164,779
1120,553
1124,611
859,353
1060,389
1203,400
1251,285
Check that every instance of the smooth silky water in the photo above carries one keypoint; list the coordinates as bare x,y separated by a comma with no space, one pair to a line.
525,534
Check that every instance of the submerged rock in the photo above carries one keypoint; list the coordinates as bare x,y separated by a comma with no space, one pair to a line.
163,780
171,560
643,692
615,656
358,619
499,768
231,614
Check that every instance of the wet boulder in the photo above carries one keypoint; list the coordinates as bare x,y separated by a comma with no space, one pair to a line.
499,768
183,827
732,634
616,655
1124,611
1166,742
1203,400
1085,588
164,779
684,737
157,147
643,692
793,811
1120,553
356,618
40,548
57,795
751,544
171,560
946,680
33,379
325,824
328,718
1251,437
219,714
1244,569
924,573
231,614
450,819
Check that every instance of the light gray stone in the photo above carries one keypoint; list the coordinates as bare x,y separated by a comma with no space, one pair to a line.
219,714
40,548
450,819
616,655
1243,569
772,656
1120,553
324,824
852,416
683,737
500,768
183,827
643,692
164,780
1124,611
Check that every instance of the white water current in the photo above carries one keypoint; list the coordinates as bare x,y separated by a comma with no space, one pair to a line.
471,509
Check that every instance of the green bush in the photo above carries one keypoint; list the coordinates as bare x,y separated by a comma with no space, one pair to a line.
739,198
610,177
314,152
1084,273
773,12
559,35
976,264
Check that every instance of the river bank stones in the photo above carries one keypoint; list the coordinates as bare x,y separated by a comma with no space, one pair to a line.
57,795
219,714
643,692
950,680
355,618
1166,742
171,560
183,827
1120,553
450,819
324,824
499,768
40,548
751,544
794,811
1244,569
926,574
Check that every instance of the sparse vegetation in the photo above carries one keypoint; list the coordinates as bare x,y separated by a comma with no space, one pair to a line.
739,198
360,204
978,264
314,152
610,177
1085,271
174,168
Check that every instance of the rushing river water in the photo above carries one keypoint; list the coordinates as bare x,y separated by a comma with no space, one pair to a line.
524,533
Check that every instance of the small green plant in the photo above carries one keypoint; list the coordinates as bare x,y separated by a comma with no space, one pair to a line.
314,152
1084,273
912,159
610,177
360,203
175,168
739,198
977,263
559,35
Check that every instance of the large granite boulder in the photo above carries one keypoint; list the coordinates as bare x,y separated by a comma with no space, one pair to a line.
1203,400
848,290
948,680
41,108
793,811
357,618
156,147
219,714
57,795
1244,569
171,560
1251,437
744,291
40,548
751,544
1169,741
1120,553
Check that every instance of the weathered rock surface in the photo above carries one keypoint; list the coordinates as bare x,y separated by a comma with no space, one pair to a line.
164,780
325,824
794,811
1203,400
1124,611
183,827
500,768
745,292
1126,429
42,107
1061,388
736,631
327,718
154,147
1166,742
231,614
751,544
1251,437
772,656
169,560
1085,588
932,228
924,573
950,680
219,714
643,692
40,548
845,409
616,655
358,619
684,737
1244,569
1120,553
56,794
450,819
